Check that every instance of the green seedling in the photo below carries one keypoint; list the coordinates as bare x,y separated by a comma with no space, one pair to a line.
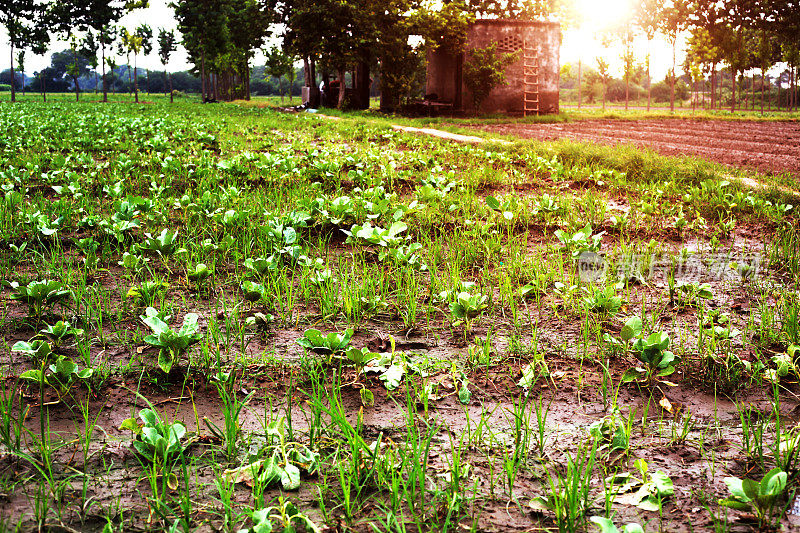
785,365
147,292
603,300
607,526
254,292
172,344
686,294
199,273
155,440
503,207
759,497
580,241
165,244
650,489
376,235
64,375
262,265
467,306
136,263
332,343
39,294
283,518
38,350
611,432
653,351
59,332
279,461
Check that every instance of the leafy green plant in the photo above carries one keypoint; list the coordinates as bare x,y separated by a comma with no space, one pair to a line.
581,241
647,492
376,235
279,461
172,344
607,526
611,432
467,306
38,350
59,332
156,440
40,294
165,244
653,351
282,518
604,299
759,497
332,343
199,273
685,294
64,374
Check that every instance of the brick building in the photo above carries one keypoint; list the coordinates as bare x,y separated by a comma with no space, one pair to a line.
532,81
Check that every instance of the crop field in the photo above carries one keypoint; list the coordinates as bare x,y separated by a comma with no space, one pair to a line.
226,318
771,147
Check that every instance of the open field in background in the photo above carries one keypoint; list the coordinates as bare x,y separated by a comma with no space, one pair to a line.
770,147
222,317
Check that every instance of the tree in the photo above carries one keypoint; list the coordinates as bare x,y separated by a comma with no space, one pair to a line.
21,65
278,65
646,16
166,45
221,37
17,16
99,15
674,19
484,70
602,70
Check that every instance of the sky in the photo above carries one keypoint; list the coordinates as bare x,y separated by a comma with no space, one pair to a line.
581,43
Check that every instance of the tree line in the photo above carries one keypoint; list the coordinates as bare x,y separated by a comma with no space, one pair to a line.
359,42
725,41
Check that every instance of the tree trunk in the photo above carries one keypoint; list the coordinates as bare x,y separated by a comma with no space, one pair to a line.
105,81
627,86
579,85
672,78
165,80
734,73
77,88
44,88
713,83
342,72
762,91
135,78
649,81
171,96
203,76
13,80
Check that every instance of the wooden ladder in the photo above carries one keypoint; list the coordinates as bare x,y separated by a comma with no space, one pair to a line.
530,68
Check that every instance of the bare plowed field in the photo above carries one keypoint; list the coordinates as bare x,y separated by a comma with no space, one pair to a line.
769,147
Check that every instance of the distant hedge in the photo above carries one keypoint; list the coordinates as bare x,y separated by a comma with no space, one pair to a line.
5,87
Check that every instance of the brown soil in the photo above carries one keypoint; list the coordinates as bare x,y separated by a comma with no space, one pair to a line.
769,147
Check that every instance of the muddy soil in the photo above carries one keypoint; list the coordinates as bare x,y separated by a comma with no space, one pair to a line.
768,147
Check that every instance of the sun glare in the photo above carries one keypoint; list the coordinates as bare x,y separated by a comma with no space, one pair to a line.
604,13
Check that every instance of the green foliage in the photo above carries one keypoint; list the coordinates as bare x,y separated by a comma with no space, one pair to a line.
40,294
63,375
484,70
580,241
759,497
332,343
172,343
156,441
653,351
